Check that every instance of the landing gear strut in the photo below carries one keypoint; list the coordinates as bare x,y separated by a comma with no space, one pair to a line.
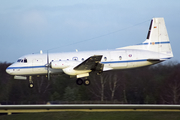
80,81
31,85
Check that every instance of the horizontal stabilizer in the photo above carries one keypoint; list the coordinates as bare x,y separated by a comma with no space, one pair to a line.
154,60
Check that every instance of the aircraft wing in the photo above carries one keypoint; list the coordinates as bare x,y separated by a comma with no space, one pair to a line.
92,63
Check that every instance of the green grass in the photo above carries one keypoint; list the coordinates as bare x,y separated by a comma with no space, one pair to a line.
94,116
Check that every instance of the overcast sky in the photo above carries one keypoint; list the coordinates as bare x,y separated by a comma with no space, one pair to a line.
66,25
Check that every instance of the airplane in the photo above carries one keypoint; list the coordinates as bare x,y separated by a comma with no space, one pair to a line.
156,48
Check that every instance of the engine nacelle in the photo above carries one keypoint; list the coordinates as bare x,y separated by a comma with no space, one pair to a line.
68,67
63,64
70,71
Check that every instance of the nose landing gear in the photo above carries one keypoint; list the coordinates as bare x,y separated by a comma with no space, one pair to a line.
31,85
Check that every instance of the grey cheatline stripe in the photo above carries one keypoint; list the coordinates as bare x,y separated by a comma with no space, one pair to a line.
154,43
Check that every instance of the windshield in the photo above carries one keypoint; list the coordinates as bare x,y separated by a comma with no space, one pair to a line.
19,60
22,60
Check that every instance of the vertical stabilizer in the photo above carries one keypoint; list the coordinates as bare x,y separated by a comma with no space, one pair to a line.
157,39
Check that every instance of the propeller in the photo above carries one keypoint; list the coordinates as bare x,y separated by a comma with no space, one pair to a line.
48,66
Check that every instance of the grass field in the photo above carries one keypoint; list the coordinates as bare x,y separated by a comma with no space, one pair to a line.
94,116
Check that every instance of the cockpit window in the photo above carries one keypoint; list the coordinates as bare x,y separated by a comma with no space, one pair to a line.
19,60
25,60
22,60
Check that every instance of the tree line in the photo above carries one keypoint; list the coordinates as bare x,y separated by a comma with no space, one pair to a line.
157,84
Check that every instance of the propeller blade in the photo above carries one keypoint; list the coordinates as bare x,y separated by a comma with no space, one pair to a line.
48,66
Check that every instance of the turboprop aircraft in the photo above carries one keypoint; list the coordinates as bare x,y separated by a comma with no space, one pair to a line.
156,48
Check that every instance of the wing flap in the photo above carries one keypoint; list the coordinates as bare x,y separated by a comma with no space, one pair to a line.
92,63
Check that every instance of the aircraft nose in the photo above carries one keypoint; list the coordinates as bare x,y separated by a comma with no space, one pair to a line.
8,70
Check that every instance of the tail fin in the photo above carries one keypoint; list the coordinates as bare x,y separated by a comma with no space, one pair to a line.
157,39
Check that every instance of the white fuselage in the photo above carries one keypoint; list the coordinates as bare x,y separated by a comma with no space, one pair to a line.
112,59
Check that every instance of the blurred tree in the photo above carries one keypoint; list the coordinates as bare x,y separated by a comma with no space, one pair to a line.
98,85
5,82
171,89
155,84
59,85
71,94
113,85
55,96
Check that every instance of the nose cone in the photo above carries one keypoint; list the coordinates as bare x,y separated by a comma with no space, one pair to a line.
8,70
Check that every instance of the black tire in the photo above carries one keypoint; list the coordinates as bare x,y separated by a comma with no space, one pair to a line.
79,81
86,82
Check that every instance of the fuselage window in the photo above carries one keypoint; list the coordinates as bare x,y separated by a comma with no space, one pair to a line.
59,59
105,58
22,60
120,57
75,58
82,59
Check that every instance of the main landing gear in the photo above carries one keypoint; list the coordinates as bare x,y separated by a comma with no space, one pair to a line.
80,81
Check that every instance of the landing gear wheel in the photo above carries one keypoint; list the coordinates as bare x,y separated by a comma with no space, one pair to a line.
79,81
86,82
31,85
